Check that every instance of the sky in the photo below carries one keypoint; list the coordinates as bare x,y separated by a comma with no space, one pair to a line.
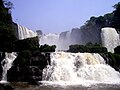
55,16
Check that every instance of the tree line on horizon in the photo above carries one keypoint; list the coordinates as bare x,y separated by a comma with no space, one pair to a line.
108,20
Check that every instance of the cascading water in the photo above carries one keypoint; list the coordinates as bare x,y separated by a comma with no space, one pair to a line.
64,41
110,38
55,39
51,39
6,65
24,32
79,68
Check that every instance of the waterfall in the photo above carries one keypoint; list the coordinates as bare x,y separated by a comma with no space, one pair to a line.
110,38
50,39
24,32
64,40
75,68
61,42
6,65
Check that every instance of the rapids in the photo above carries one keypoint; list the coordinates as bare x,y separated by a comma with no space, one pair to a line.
79,68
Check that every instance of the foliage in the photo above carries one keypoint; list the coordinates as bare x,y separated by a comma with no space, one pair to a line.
47,48
108,20
100,22
92,28
116,16
77,48
115,59
96,49
27,44
117,50
8,4
7,35
89,47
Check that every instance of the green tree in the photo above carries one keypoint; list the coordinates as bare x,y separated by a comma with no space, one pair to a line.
27,44
47,48
116,16
7,35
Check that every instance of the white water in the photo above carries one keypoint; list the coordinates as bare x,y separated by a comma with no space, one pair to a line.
6,65
54,39
24,32
110,38
79,68
65,42
50,39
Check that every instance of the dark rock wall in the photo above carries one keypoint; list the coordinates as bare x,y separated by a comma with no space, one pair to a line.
85,35
15,28
75,36
112,59
31,70
81,36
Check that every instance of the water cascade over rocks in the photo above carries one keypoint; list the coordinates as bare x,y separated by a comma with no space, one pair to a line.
24,32
79,68
7,64
110,38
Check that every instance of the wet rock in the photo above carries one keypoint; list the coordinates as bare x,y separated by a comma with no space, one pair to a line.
6,87
29,70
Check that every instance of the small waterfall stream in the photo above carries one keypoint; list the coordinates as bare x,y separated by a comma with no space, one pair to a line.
7,64
110,38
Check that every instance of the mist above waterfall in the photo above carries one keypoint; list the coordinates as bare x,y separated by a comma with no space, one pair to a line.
61,41
50,39
108,36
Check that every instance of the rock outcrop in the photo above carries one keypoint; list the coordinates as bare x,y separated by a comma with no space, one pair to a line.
29,68
112,59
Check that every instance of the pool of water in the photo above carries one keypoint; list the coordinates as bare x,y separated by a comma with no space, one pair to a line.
67,87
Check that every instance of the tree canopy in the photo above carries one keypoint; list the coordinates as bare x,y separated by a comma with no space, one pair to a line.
7,35
116,16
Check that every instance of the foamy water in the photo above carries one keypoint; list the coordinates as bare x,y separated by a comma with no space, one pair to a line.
79,69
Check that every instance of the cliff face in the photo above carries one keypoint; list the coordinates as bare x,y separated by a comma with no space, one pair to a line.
92,35
15,27
85,35
79,36
75,36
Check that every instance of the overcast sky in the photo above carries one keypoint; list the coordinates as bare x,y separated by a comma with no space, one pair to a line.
55,16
